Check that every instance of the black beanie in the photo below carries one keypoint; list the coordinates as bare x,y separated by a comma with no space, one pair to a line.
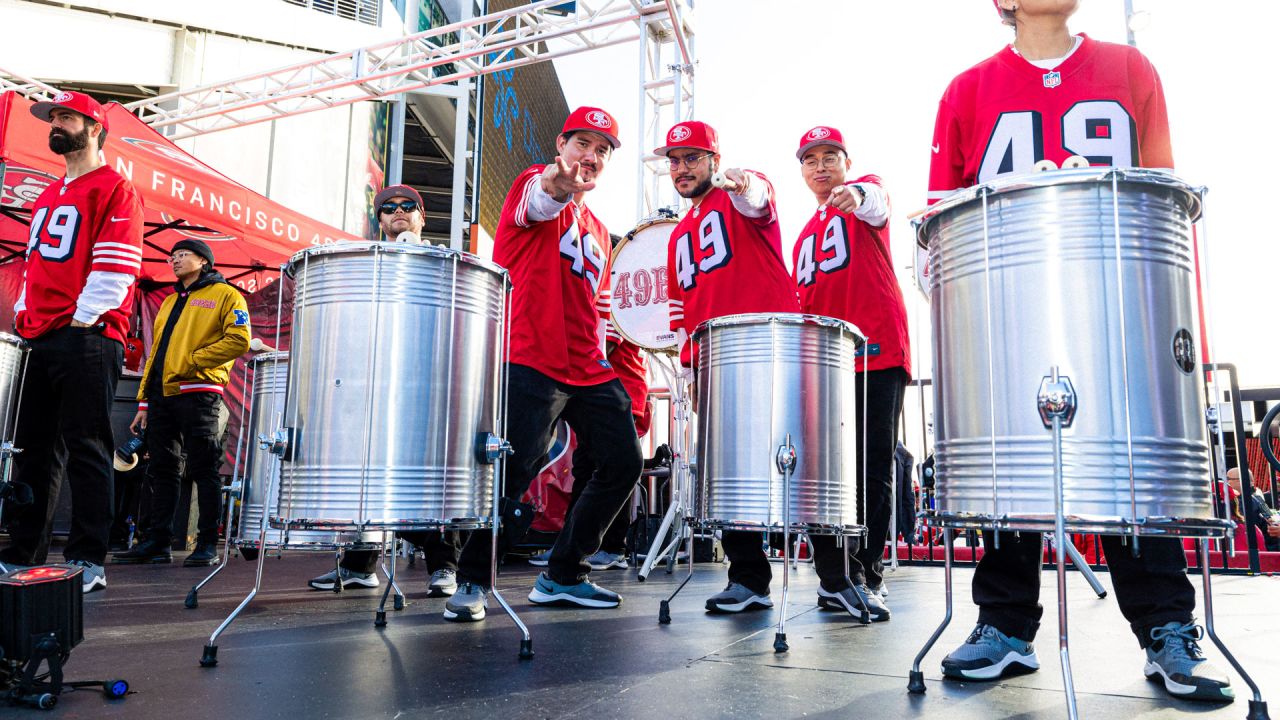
198,247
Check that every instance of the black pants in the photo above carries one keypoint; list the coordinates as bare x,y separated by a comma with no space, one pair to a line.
177,425
748,564
615,537
601,416
439,548
1151,589
64,431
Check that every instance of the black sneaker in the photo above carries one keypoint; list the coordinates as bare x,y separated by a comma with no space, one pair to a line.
147,552
204,555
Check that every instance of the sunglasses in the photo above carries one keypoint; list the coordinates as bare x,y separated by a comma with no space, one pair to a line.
390,206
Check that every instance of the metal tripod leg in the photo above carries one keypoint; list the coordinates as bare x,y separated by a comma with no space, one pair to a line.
651,559
1257,706
664,606
1083,566
786,462
1061,543
210,657
380,618
193,600
842,541
915,682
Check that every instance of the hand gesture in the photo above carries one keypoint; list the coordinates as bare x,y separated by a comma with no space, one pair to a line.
562,181
845,198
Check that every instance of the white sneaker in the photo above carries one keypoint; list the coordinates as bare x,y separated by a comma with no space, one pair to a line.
604,561
541,559
93,577
349,579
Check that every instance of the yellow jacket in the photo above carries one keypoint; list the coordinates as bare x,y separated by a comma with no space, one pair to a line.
211,331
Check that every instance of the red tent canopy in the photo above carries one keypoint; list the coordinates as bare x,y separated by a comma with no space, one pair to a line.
250,235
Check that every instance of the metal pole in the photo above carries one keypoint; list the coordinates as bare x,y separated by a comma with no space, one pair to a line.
1128,31
461,122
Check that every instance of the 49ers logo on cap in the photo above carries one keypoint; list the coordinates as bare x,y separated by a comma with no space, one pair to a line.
678,133
818,133
599,119
62,97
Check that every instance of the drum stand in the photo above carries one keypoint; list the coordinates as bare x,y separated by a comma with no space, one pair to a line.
1057,405
680,509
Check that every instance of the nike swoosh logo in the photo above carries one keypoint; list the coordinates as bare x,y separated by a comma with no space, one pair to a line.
124,219
936,149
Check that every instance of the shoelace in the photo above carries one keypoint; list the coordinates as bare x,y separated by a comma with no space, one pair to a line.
1189,634
980,632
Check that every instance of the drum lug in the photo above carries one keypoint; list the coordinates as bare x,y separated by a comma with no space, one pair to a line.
490,447
1056,399
786,457
281,443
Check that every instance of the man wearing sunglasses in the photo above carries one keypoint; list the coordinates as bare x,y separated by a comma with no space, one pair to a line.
199,331
725,257
400,217
558,252
843,269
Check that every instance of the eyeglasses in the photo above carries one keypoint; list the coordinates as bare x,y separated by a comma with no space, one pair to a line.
828,161
689,161
180,255
390,206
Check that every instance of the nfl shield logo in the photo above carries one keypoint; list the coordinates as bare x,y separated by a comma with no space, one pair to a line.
1052,79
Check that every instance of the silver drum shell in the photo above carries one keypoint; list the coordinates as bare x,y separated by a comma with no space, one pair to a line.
1056,298
395,372
761,377
13,367
270,372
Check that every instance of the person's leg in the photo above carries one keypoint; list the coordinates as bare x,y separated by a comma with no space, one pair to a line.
534,403
203,443
748,565
828,561
614,541
884,392
41,466
1152,589
1006,584
600,415
362,562
89,375
164,469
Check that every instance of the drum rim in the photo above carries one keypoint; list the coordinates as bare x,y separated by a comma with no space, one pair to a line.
272,356
658,218
783,318
1071,176
14,340
353,246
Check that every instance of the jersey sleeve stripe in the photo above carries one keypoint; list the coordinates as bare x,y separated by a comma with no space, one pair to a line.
131,267
522,208
123,247
108,254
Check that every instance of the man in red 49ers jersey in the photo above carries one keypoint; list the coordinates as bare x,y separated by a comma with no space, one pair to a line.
725,257
557,253
843,269
83,257
1051,95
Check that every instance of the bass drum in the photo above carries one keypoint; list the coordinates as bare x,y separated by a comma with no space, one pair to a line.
639,305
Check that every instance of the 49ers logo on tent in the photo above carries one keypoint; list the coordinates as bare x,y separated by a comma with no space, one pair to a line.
22,186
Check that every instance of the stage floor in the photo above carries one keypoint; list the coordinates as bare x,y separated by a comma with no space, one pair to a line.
297,653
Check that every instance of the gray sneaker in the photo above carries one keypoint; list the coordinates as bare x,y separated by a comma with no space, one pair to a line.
541,559
467,604
443,583
1174,656
584,594
605,560
989,654
882,589
94,576
848,601
349,579
736,598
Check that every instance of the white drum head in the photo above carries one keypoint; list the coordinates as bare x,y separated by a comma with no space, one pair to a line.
639,304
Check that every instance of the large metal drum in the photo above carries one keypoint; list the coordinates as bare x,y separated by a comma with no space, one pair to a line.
761,378
13,366
270,372
395,375
1024,277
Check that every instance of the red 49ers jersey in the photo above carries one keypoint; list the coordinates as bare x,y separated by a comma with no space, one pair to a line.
843,270
93,223
560,286
1004,115
721,262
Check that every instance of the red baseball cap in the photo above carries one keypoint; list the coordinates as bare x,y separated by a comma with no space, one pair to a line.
691,134
821,135
593,119
397,191
78,102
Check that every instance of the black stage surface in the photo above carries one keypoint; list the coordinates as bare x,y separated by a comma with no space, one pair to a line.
297,653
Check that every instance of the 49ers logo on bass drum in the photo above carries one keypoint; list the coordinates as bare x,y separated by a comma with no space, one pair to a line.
678,133
599,119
